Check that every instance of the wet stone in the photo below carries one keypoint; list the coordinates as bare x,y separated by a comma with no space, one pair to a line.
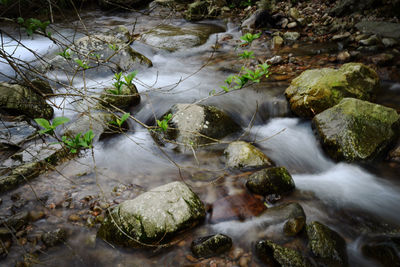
275,255
244,155
53,238
327,245
276,180
206,247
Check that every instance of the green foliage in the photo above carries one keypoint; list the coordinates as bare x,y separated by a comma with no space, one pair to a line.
65,54
34,26
163,124
4,2
128,81
79,141
235,82
246,3
248,38
82,64
50,127
118,122
247,54
113,47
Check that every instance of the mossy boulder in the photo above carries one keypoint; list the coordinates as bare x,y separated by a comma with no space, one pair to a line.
194,125
327,245
20,100
318,89
128,96
172,38
209,246
153,217
275,255
276,180
242,155
356,130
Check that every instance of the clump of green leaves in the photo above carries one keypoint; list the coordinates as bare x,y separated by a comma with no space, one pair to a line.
127,80
34,26
248,38
235,82
163,124
113,47
49,127
79,141
82,64
247,54
119,121
65,54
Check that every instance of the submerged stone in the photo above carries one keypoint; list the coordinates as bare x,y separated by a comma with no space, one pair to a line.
20,100
327,245
318,89
244,155
275,255
356,130
153,217
209,246
276,180
53,238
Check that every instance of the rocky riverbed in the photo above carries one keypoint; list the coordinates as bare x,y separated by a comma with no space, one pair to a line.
299,169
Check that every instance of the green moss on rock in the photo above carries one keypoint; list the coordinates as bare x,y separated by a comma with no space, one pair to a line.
357,130
275,255
153,217
205,247
243,155
327,245
275,180
318,89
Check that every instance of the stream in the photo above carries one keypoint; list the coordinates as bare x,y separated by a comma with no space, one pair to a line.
354,200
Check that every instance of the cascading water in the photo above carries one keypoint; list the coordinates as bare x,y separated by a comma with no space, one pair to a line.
135,161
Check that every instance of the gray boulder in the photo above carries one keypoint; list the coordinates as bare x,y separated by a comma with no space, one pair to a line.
101,53
316,90
193,125
243,155
356,130
327,245
153,217
21,100
172,38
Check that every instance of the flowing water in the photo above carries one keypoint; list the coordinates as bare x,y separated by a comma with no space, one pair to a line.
352,199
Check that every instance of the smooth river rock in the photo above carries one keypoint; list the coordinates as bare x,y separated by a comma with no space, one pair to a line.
153,217
318,89
276,180
193,125
243,155
356,130
172,38
209,246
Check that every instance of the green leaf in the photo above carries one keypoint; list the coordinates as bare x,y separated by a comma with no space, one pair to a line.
43,122
123,118
60,120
